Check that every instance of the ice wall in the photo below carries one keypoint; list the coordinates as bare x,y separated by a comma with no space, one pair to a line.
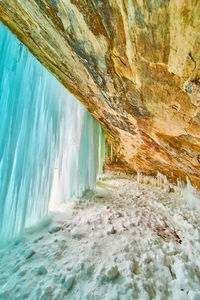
49,143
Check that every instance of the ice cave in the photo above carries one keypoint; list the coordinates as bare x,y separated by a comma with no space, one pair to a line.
99,150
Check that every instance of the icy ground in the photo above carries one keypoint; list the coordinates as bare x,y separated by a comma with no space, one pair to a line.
126,241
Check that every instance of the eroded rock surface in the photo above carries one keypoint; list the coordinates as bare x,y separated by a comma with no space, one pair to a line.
134,64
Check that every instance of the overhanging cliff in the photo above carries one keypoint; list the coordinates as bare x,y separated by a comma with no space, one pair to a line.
134,64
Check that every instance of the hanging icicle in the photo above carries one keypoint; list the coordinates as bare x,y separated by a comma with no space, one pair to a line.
49,143
187,191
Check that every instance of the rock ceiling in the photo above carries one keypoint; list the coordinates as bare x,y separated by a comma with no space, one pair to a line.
134,64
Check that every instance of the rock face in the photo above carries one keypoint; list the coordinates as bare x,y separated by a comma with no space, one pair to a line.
134,64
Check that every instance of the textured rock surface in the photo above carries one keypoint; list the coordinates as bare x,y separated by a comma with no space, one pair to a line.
134,64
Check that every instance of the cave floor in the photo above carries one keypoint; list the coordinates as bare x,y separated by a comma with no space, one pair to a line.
124,241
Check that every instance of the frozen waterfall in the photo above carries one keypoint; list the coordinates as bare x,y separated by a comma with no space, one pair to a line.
49,144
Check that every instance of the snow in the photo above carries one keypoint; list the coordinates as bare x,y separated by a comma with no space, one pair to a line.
123,241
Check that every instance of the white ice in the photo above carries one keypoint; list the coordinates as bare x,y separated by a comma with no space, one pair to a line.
125,241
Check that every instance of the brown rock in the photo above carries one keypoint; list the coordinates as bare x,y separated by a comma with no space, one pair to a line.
135,65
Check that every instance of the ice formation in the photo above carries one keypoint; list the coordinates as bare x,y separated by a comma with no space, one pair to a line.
49,143
102,150
128,241
187,191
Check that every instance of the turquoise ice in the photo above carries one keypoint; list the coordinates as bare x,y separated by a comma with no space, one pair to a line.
49,143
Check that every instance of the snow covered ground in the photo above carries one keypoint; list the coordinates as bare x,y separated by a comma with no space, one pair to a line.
125,241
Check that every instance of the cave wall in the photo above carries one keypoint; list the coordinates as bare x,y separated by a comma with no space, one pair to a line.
134,64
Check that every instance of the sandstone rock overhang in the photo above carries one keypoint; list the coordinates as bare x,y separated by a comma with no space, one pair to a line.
134,64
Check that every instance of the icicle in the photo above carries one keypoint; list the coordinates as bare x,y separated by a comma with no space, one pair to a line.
138,178
191,195
101,152
187,191
48,141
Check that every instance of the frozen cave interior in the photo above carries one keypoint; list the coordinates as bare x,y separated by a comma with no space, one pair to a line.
68,230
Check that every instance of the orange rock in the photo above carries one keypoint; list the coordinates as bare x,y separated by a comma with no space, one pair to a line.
135,65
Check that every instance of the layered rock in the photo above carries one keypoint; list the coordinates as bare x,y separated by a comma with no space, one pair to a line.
134,64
